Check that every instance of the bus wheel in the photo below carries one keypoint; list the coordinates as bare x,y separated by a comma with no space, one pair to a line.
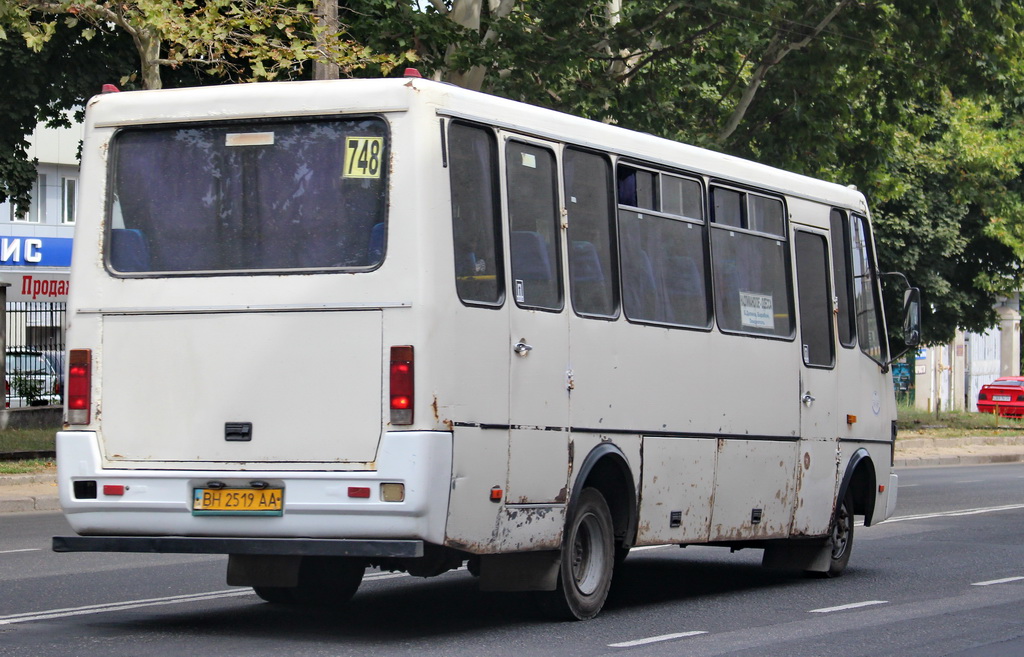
841,541
587,560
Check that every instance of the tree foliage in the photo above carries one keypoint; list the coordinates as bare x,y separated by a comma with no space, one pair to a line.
919,105
231,39
49,85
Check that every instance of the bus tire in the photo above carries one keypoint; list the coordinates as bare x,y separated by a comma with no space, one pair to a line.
587,561
841,540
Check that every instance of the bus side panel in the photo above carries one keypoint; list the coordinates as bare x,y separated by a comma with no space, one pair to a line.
754,489
651,379
677,486
479,523
817,483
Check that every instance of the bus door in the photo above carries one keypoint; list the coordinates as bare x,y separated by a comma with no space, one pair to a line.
538,328
816,460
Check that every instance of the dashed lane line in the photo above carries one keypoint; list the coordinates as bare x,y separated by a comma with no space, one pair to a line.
655,639
852,605
1005,580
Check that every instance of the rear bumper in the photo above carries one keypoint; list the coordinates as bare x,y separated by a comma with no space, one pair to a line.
265,546
158,503
1006,409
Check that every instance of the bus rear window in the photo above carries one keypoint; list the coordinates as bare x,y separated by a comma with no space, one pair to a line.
307,195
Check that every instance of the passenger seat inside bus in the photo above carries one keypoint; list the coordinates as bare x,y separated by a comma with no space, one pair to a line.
531,265
587,281
129,250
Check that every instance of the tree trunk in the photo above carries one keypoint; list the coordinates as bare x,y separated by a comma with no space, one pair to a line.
147,42
327,21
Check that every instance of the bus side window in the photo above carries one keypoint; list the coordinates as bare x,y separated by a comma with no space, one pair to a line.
865,292
533,222
479,272
751,262
843,282
815,296
664,256
590,204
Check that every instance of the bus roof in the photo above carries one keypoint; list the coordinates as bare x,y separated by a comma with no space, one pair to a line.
325,98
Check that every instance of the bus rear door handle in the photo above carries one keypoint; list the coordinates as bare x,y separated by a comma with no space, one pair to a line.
807,399
522,348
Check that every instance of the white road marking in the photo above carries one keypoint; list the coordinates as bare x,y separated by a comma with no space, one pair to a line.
152,602
649,547
119,606
21,550
852,605
998,581
954,514
655,639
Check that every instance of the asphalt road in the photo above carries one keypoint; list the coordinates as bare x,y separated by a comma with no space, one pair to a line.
944,577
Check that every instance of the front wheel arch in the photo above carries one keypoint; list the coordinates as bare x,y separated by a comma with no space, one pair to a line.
859,480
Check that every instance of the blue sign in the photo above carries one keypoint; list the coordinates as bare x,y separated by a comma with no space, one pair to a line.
19,251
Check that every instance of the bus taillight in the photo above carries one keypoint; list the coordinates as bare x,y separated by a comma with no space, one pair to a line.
79,385
402,388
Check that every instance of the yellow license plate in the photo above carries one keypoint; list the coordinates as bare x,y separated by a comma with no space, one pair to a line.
238,501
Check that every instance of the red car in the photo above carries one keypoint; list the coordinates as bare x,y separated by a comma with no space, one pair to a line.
1004,396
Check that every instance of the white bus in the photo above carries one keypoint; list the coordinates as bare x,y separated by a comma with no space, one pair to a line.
322,326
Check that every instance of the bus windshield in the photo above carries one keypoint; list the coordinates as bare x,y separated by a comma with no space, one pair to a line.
266,196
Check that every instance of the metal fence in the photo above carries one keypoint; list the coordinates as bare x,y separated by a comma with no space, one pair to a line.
35,353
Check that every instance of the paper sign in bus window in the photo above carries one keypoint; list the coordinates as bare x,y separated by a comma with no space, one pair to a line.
363,157
756,311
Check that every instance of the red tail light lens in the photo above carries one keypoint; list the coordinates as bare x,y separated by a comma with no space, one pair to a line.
79,386
402,386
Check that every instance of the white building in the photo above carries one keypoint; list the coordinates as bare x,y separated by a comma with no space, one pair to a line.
949,376
35,246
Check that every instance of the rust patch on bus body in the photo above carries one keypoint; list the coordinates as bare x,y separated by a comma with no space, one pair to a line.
518,519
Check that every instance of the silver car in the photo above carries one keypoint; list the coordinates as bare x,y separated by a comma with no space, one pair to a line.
31,380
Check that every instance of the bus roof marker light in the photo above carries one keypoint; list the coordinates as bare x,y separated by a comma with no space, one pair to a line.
411,73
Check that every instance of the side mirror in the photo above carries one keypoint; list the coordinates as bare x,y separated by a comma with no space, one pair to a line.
912,317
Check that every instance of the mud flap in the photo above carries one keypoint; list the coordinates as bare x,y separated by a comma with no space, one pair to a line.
263,570
524,571
809,556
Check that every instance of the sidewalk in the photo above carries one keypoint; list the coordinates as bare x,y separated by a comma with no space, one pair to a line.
912,451
19,493
22,493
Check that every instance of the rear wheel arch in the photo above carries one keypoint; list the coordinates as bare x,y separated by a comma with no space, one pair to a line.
606,469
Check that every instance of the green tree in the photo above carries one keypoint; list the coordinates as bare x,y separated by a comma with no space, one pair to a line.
60,53
48,85
233,39
915,104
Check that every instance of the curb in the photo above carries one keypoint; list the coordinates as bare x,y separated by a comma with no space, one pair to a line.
15,499
29,504
956,459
